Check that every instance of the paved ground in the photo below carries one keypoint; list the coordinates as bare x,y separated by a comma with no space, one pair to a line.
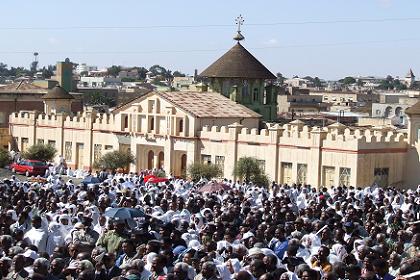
6,173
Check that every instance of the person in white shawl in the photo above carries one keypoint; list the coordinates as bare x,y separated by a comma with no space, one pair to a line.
55,237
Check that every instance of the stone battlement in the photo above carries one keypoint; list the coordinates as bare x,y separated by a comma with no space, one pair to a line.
296,133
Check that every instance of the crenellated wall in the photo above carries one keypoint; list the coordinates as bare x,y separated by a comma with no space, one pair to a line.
281,150
289,153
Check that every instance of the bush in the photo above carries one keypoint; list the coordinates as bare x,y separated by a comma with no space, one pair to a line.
114,160
200,170
5,158
40,152
247,169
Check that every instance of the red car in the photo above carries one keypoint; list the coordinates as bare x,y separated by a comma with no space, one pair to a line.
29,167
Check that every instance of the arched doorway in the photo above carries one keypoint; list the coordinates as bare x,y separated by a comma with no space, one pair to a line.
183,165
161,160
150,160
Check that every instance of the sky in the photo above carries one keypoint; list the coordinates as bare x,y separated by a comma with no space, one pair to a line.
330,39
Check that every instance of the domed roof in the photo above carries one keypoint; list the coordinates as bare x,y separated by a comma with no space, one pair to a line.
57,93
238,63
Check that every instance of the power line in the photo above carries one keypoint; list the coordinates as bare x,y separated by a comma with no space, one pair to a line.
211,25
349,43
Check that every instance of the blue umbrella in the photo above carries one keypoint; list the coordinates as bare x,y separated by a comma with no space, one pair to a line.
91,180
124,213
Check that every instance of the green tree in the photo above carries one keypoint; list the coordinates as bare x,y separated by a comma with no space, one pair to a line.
398,85
40,152
33,67
317,82
5,158
142,72
127,79
114,70
97,98
47,72
348,80
178,74
3,70
200,170
248,170
280,78
158,70
114,160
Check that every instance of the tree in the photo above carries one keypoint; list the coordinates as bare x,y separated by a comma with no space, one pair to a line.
47,72
200,170
248,170
97,98
142,72
158,70
178,74
348,80
34,66
317,82
3,70
40,152
5,158
114,70
280,79
114,160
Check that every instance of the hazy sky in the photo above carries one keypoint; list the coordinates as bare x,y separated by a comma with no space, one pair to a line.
379,37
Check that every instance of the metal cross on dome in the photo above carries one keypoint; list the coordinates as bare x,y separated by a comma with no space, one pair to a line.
239,21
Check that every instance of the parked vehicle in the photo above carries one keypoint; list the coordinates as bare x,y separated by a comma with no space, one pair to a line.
29,167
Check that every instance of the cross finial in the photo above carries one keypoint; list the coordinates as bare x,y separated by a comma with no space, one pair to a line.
239,21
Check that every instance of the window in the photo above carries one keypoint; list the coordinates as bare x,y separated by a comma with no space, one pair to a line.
345,174
108,147
302,170
151,106
2,117
68,151
125,125
286,173
40,141
378,112
25,143
381,176
328,174
255,95
245,93
151,123
261,164
97,152
206,159
220,161
51,143
181,125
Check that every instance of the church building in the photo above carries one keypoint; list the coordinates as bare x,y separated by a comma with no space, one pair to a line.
171,130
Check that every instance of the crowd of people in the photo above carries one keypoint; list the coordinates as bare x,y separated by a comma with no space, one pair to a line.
62,230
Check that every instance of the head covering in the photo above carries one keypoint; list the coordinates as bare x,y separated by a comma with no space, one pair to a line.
30,254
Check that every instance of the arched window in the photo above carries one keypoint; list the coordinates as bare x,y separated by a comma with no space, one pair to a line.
125,121
181,125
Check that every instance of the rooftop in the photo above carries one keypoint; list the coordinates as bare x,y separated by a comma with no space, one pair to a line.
57,93
201,104
238,63
23,86
208,105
